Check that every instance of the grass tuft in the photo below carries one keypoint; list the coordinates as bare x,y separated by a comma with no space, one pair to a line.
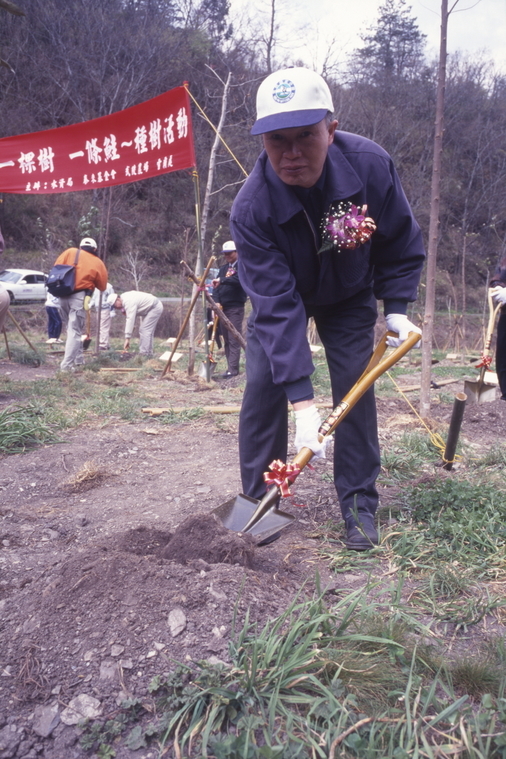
89,476
24,427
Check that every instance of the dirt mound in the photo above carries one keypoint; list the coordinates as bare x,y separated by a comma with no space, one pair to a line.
204,537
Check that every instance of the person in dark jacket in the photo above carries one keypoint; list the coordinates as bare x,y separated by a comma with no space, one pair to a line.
230,295
498,282
323,229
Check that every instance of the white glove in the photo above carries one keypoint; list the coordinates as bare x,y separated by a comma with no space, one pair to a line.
499,294
400,323
307,424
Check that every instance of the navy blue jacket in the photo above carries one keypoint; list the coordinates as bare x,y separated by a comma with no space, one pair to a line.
229,292
499,275
280,269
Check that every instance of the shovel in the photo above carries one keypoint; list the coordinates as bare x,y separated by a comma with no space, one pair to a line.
479,390
262,519
211,363
87,337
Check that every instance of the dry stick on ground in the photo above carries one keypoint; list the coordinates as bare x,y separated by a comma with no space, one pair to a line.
216,309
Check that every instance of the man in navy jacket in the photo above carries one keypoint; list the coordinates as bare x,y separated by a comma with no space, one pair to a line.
323,229
498,282
230,295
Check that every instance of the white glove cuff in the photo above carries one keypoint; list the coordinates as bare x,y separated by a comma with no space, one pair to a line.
307,414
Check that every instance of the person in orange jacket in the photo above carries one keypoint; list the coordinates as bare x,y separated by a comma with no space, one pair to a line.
91,273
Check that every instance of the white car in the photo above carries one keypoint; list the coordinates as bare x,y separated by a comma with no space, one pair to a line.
24,284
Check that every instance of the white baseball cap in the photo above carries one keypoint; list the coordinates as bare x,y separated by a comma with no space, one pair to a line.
111,299
228,247
88,242
291,97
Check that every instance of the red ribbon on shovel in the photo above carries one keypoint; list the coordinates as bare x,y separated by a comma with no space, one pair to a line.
484,361
282,475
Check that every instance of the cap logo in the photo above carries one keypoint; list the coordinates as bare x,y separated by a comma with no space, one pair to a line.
283,91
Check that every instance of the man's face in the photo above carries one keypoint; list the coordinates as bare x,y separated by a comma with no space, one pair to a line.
231,256
297,154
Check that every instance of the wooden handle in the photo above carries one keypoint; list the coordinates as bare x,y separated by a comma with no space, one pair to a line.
375,368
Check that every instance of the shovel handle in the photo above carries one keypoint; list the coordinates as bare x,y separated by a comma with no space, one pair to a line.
213,337
375,368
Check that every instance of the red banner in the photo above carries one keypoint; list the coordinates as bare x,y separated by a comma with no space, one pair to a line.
144,141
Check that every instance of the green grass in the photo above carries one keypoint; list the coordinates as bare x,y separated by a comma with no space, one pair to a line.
25,427
461,521
411,452
341,677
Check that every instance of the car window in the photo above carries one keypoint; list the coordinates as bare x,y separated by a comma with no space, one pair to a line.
9,276
40,278
28,279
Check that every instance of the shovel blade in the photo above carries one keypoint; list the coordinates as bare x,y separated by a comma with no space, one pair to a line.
203,369
236,513
479,392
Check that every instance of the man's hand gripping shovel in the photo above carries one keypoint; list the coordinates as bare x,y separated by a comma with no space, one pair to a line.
262,519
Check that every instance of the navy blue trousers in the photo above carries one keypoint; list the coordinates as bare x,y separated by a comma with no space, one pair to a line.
500,353
347,334
54,323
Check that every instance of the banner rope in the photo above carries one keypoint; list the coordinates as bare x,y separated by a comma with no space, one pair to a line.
219,135
434,437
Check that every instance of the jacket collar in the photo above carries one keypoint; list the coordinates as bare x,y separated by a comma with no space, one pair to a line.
341,183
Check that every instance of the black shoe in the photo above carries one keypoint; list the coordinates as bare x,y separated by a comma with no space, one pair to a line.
229,375
362,536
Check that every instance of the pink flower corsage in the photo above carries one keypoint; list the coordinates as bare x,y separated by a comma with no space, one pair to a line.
346,227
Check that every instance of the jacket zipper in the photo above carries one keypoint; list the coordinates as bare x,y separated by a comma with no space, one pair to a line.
314,238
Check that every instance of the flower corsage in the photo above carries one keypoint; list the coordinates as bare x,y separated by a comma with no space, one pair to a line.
345,226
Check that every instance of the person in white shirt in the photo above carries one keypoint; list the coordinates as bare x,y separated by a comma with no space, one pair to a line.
105,314
54,321
133,304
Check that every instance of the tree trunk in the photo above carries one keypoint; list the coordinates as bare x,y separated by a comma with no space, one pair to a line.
202,225
430,296
464,299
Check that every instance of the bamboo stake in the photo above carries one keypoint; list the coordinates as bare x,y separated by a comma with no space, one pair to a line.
454,430
22,333
200,284
119,369
181,409
7,344
217,309
157,411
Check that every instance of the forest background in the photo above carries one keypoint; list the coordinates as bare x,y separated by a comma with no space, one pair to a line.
73,60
